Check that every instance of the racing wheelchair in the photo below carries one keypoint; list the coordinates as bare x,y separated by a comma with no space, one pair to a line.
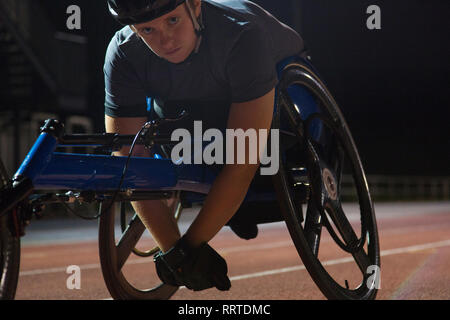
318,164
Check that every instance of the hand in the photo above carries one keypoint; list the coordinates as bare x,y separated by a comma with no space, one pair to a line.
196,268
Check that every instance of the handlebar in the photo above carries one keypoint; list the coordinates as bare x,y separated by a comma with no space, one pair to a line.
113,140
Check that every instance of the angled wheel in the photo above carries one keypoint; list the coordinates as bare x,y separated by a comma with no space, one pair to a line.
9,249
323,190
126,256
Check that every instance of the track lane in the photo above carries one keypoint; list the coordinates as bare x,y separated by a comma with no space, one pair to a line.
415,259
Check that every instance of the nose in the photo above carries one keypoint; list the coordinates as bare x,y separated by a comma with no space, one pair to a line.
166,39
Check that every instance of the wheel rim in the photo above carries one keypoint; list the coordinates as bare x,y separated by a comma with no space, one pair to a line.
122,271
322,190
9,250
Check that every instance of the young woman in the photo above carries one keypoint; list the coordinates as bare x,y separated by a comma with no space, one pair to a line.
217,60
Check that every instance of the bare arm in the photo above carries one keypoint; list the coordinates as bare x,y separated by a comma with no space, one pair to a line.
126,126
231,185
155,214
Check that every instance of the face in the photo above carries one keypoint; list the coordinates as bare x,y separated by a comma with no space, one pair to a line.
171,36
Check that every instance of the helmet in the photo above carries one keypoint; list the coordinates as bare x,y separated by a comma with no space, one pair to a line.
137,11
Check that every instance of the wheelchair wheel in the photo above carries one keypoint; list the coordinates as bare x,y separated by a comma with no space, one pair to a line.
122,255
321,176
9,251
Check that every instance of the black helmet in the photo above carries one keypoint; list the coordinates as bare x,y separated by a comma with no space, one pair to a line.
138,11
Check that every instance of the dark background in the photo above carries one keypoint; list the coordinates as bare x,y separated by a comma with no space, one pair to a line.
391,84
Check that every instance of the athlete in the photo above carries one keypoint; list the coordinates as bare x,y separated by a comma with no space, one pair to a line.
217,60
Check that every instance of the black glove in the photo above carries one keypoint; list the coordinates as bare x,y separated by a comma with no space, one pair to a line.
196,268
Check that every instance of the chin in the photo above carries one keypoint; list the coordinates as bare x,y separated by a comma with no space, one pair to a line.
177,59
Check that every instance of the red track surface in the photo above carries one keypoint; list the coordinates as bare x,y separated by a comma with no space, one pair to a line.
415,262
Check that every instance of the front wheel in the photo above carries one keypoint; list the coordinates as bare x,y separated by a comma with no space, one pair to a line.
322,190
127,267
9,249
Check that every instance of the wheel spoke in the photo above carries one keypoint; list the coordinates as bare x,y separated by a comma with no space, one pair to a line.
315,175
339,170
128,240
328,186
348,234
313,227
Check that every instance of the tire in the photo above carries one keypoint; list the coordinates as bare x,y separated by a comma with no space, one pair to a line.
327,160
9,251
114,268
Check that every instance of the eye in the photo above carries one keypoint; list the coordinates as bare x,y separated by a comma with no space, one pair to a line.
147,31
173,20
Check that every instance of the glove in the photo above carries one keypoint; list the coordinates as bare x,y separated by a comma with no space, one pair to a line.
196,268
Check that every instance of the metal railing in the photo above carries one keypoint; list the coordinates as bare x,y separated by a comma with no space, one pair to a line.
396,188
16,17
18,11
47,49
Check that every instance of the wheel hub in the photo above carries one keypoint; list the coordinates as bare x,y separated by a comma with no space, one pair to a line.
330,183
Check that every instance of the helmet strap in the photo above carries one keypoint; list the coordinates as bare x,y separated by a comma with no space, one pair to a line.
198,24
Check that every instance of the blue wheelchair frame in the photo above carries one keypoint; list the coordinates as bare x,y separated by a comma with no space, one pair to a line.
44,169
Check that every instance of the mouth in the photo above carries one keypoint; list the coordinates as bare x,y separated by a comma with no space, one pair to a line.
171,52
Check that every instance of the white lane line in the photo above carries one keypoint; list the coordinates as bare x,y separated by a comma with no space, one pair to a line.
251,247
419,247
223,251
383,253
56,270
